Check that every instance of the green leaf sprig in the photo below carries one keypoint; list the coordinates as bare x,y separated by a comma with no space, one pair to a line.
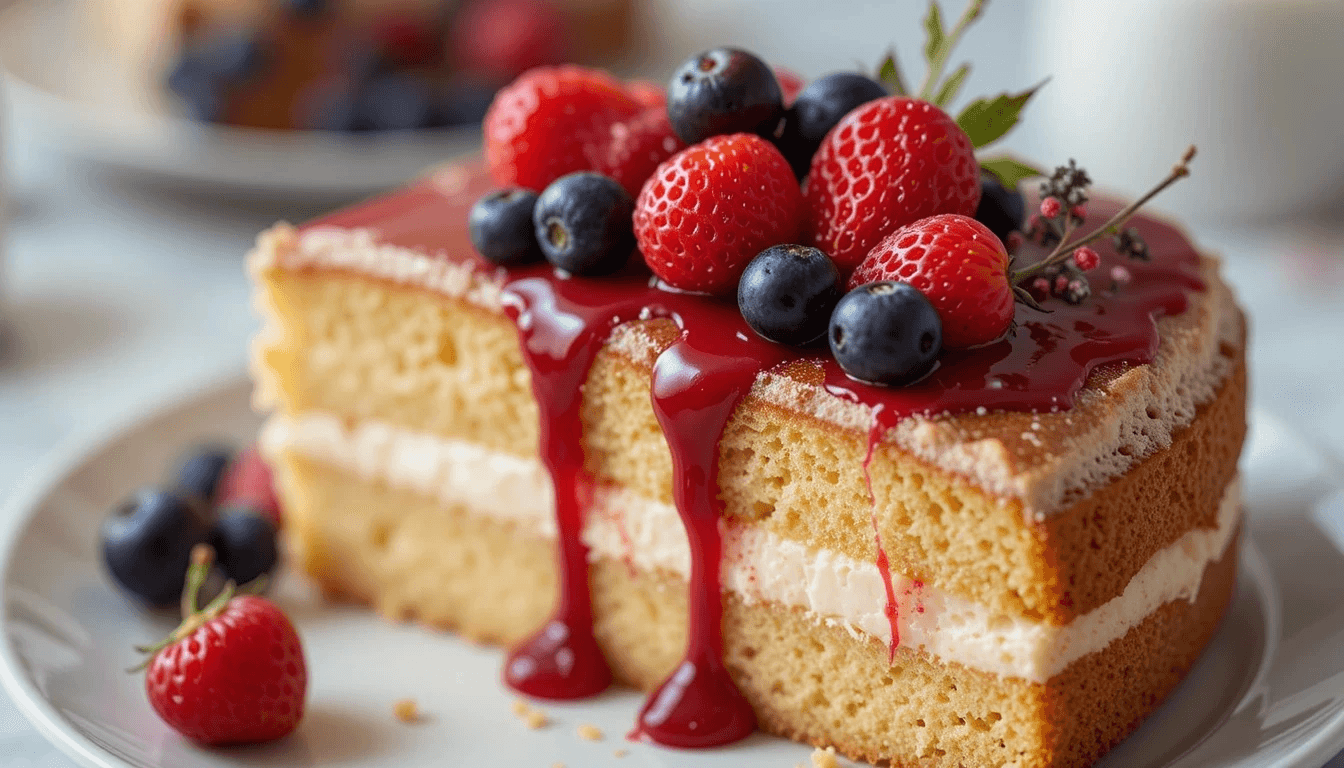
985,120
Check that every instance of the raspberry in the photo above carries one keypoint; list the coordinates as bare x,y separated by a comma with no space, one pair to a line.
636,148
959,264
889,163
708,210
552,121
503,38
1086,258
790,84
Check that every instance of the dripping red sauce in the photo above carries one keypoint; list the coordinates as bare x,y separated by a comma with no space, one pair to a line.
698,382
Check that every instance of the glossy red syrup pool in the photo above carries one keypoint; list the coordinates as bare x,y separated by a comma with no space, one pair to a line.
697,383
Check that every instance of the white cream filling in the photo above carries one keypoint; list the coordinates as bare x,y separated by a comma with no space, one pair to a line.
757,564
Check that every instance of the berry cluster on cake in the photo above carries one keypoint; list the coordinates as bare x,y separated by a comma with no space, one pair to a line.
772,401
351,65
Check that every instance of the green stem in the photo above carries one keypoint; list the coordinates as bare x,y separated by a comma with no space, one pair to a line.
939,61
1112,226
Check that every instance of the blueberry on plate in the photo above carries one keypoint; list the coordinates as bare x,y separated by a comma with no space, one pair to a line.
885,333
200,472
332,107
147,543
306,8
501,227
398,102
197,87
1002,210
463,103
724,90
817,110
584,223
245,543
787,293
234,56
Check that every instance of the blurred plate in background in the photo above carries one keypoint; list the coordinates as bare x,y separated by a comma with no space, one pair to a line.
73,93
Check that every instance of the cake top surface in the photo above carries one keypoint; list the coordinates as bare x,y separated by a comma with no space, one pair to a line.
1039,415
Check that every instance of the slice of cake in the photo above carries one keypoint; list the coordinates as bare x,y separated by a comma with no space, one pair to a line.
990,520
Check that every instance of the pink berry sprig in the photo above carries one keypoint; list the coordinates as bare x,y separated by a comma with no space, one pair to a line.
1063,209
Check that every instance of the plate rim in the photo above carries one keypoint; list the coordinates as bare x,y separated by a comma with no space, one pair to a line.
75,117
19,511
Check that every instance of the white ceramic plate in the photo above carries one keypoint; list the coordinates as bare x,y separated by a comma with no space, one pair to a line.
90,103
1269,691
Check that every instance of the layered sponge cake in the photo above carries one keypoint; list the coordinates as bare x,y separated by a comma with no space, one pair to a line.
1009,563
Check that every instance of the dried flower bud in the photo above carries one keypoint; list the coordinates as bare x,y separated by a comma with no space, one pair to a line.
1130,243
1051,207
1076,291
1086,259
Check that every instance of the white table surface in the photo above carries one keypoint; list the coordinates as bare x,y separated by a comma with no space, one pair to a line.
119,293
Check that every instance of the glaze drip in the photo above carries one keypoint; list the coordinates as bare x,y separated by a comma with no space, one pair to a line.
697,384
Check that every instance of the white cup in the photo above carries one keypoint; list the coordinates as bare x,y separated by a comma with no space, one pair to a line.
1253,83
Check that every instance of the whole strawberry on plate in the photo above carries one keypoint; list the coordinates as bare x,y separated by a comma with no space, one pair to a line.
233,672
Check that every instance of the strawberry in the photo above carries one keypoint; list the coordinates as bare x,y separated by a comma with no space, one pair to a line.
887,164
248,479
647,93
790,84
552,121
503,38
233,672
636,148
708,210
959,264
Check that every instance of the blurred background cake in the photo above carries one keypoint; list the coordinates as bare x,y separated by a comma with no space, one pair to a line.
351,65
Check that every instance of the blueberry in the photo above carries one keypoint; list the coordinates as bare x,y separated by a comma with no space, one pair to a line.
332,107
147,543
885,333
501,227
1001,209
201,93
235,56
724,90
463,103
397,102
787,293
200,472
584,223
816,111
245,543
306,8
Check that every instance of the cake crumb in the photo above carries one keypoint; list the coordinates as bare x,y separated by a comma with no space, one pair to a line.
824,758
557,765
590,732
406,710
534,718
620,753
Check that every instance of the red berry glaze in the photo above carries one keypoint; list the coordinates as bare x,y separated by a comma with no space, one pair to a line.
238,678
552,121
504,38
249,480
637,147
889,163
707,211
790,84
961,267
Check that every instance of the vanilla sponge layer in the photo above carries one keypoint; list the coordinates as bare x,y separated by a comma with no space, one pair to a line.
759,565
